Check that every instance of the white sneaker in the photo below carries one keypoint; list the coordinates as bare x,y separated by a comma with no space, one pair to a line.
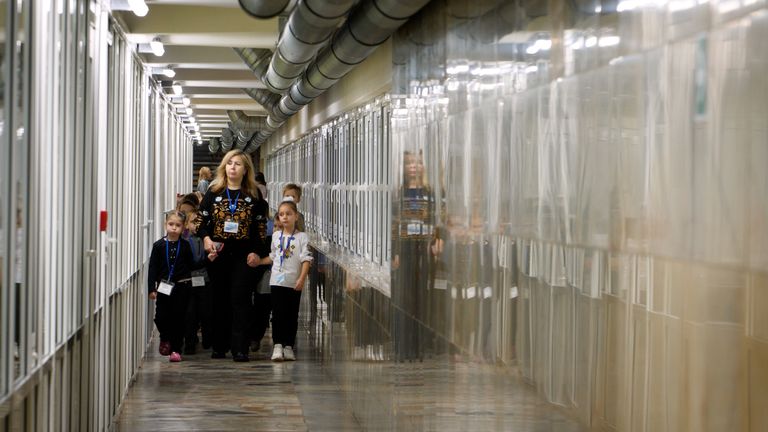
277,353
288,354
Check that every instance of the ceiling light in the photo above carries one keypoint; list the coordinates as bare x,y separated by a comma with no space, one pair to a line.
157,47
177,90
170,73
138,7
186,101
189,111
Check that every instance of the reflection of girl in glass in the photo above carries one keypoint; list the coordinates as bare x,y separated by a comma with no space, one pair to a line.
415,230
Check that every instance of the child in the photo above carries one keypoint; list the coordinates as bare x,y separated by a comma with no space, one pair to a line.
170,266
290,260
293,191
199,306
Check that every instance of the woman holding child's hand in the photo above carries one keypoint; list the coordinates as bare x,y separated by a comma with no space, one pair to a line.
234,235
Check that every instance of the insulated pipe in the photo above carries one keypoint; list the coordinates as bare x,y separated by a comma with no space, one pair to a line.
310,25
256,59
242,137
241,120
369,25
265,98
213,145
266,8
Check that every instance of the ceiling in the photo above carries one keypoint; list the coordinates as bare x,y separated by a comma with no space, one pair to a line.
198,36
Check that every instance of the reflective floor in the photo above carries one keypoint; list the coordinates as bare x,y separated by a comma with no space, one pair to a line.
317,394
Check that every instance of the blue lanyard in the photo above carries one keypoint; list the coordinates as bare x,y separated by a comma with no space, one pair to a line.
232,206
175,259
287,246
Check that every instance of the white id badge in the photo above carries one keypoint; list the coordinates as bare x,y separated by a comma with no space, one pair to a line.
441,284
198,281
231,227
165,288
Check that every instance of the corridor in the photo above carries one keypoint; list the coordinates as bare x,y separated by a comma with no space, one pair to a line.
495,215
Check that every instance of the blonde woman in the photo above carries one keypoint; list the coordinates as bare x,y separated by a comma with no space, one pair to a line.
234,233
203,179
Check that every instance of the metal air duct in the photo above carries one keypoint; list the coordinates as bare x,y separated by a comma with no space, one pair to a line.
256,59
213,145
267,8
310,25
367,27
242,121
265,98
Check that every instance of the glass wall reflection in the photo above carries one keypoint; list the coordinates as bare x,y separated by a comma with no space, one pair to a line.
596,193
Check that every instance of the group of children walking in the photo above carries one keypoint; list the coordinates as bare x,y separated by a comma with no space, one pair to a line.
204,273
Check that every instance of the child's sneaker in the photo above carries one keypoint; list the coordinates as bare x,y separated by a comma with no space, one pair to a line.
288,354
277,353
175,357
165,348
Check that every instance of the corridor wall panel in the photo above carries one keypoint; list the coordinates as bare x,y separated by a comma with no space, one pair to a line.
77,104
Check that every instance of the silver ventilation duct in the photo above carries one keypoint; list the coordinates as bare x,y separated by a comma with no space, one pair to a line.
368,26
242,137
242,121
265,98
256,59
227,139
267,8
310,25
213,145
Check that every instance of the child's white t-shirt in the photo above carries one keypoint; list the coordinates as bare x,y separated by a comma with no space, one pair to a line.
295,251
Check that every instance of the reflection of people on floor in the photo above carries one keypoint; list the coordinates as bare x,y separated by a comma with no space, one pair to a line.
414,224
367,320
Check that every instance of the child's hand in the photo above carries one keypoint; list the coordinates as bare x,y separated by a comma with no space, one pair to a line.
252,260
299,285
153,295
212,256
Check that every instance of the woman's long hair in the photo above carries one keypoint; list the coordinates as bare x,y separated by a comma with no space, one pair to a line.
249,183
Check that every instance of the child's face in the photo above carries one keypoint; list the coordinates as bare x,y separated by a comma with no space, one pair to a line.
293,194
173,227
287,217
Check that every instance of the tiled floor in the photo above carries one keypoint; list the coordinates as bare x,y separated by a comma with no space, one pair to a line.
316,394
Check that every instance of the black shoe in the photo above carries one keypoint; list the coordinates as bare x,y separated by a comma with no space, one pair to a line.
240,357
218,355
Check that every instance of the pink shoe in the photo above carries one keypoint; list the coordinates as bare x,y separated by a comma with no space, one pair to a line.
175,357
165,348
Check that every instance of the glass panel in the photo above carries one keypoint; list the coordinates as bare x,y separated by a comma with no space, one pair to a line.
6,348
19,187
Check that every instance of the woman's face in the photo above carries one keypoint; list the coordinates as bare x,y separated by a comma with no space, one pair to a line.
414,167
235,169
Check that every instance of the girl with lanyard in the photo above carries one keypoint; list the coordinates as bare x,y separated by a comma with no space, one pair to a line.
290,260
233,229
170,267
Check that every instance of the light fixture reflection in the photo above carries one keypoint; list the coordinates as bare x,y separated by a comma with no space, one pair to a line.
170,73
186,101
177,90
157,47
138,7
